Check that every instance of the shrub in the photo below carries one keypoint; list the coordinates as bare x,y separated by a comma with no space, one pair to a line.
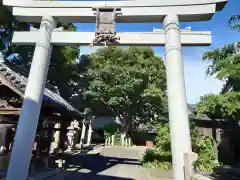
161,157
207,160
152,159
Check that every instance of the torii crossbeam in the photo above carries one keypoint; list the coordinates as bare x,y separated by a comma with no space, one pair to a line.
170,12
201,38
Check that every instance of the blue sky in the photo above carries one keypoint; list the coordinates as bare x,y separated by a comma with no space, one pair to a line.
197,84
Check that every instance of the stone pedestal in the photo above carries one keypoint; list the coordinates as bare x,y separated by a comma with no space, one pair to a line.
189,165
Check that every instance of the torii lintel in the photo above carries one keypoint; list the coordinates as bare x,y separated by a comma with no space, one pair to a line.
131,11
114,4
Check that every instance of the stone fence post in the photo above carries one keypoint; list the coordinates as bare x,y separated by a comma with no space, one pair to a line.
190,159
190,172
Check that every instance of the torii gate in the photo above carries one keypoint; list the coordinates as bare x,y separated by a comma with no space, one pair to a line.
170,12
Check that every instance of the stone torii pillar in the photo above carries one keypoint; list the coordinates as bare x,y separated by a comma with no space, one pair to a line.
177,103
29,115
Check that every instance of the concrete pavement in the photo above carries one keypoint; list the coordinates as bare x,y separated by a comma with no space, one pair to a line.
113,163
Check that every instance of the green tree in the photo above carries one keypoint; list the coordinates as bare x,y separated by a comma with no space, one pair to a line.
219,106
62,64
8,24
63,59
225,65
3,23
209,105
234,22
225,62
125,83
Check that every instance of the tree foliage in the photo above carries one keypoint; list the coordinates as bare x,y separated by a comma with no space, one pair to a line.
225,65
220,105
63,59
234,22
128,83
207,161
62,64
161,156
209,105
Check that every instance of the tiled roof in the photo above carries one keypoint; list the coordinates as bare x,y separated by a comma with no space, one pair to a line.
18,77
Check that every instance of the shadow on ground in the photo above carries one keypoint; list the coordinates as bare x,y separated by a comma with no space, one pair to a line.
226,173
94,167
78,175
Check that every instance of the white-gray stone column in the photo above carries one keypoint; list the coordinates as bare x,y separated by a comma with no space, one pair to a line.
82,138
56,136
29,115
178,113
89,137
